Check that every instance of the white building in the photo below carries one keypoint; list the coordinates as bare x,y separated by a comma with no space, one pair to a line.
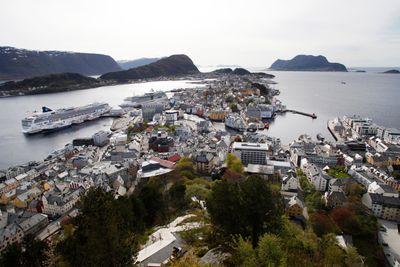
171,115
316,176
383,189
60,202
289,183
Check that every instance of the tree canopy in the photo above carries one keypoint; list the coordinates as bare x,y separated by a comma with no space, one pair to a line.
247,208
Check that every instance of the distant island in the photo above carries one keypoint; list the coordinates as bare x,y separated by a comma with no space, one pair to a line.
174,65
307,63
392,72
52,83
128,64
18,64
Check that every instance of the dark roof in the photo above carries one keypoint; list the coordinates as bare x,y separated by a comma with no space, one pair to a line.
388,188
204,158
340,181
385,201
338,196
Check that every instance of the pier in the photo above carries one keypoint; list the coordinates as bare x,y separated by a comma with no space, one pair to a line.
313,116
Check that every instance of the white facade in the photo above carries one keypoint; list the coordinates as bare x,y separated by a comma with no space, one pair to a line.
289,183
315,176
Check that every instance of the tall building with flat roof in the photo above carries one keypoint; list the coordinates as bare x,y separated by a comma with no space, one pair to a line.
251,153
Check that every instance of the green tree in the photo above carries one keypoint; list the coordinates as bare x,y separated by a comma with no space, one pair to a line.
12,256
234,107
152,198
270,252
185,168
176,195
234,163
31,252
244,255
34,251
352,258
247,208
101,237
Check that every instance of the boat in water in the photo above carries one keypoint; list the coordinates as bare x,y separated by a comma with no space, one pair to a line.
147,98
51,120
236,122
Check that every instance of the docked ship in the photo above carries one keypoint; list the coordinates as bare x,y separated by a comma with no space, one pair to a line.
51,120
147,98
235,122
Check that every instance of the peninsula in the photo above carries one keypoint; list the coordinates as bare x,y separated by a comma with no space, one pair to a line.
52,83
307,63
134,63
18,64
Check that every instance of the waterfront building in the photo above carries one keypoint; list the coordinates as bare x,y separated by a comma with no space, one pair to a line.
149,110
100,138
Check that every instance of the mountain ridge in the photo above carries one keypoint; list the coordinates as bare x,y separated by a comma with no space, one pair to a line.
18,63
134,63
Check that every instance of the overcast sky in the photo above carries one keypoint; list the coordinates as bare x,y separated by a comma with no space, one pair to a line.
247,32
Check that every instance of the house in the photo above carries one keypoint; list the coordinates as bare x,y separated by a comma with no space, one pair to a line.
294,207
335,199
19,226
59,202
383,189
159,143
204,126
289,183
217,115
10,234
22,200
174,158
204,162
338,185
100,138
171,116
315,176
387,208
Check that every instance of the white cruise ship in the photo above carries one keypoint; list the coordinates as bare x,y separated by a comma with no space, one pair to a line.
235,122
147,98
49,120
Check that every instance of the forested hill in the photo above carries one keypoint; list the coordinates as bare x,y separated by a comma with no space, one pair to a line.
48,84
174,65
21,63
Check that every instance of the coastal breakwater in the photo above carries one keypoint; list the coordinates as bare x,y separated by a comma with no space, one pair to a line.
312,115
